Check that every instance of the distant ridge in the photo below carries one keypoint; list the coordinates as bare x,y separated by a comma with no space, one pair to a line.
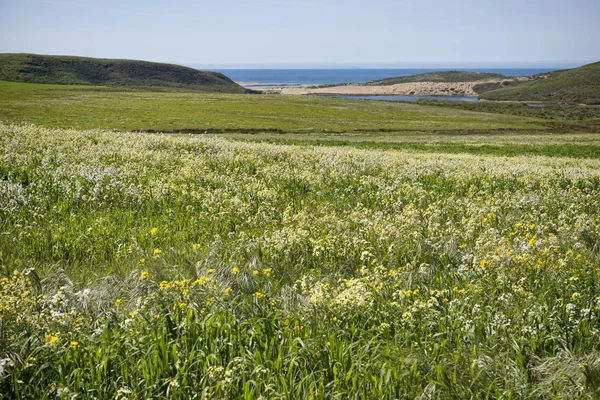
68,70
578,85
442,76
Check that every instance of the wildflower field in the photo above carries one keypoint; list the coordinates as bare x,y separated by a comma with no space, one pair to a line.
137,266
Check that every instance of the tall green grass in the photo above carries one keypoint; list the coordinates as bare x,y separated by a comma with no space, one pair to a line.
151,266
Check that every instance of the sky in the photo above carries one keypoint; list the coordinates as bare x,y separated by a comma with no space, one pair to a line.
301,33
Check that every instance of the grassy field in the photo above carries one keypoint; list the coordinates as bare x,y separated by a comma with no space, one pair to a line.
199,112
156,266
586,114
499,144
314,248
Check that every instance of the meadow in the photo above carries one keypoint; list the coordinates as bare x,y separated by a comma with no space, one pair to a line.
178,111
138,265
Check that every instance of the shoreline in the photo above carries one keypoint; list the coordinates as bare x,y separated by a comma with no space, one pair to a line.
451,89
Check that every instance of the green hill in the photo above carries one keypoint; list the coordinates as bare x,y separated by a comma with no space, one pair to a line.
577,86
442,76
67,70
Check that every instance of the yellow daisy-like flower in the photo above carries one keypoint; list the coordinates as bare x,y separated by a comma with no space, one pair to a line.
118,303
145,276
235,270
154,231
196,246
74,345
258,295
211,271
157,252
52,340
267,271
142,261
255,272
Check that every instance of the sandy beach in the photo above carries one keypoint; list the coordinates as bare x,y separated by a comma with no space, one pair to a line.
401,89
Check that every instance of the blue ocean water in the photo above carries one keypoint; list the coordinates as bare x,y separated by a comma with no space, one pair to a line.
335,76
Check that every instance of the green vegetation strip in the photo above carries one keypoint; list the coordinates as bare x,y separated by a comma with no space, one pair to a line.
200,112
154,266
588,114
435,144
442,76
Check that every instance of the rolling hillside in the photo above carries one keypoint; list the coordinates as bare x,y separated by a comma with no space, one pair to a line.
578,85
67,70
442,76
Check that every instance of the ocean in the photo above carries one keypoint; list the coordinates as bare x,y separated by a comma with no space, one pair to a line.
336,76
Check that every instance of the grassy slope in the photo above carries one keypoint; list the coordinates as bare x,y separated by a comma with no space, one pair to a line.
442,76
587,114
199,112
67,70
578,85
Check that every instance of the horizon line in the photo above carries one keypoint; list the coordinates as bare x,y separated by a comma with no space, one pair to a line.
394,65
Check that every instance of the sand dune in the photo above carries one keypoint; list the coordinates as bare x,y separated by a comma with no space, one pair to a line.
402,89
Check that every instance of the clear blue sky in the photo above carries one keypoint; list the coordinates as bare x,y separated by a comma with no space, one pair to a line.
307,32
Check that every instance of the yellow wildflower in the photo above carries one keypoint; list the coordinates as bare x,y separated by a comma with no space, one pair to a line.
196,246
51,340
145,276
157,252
74,345
267,271
166,285
258,295
154,231
142,261
211,271
459,291
255,272
118,303
203,280
235,270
